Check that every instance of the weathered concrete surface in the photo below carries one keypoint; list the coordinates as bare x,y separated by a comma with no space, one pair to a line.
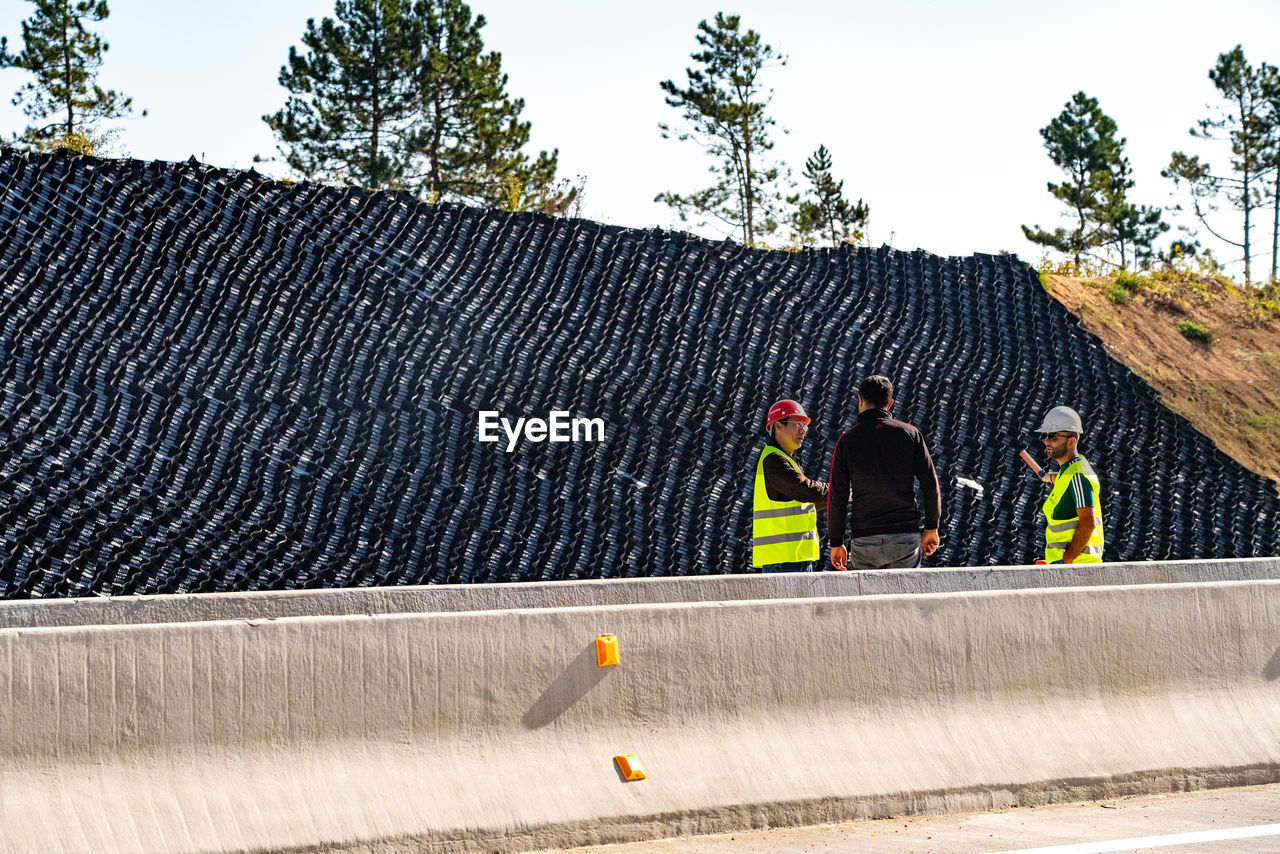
563,594
495,730
1006,831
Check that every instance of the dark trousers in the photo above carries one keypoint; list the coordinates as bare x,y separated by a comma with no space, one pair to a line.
798,566
885,551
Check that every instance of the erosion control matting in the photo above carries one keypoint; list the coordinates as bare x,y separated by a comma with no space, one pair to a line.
213,381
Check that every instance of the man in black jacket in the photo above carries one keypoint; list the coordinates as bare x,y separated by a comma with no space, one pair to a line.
875,464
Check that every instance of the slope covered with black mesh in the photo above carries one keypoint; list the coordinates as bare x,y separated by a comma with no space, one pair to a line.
213,381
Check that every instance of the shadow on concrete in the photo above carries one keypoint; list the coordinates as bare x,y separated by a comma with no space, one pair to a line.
569,687
1272,671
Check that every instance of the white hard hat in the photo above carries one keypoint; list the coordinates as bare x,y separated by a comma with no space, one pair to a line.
1061,418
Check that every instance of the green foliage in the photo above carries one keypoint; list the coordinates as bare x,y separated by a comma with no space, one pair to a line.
1131,229
1082,142
1179,255
95,143
64,101
826,213
400,94
724,106
1128,285
561,197
1269,118
1184,260
1087,267
349,111
1244,124
1119,294
1263,309
1131,282
467,137
1264,304
1172,289
1193,331
1262,422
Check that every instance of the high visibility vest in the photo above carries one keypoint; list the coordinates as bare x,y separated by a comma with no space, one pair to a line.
781,531
1058,534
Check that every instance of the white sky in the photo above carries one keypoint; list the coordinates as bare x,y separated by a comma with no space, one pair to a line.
931,109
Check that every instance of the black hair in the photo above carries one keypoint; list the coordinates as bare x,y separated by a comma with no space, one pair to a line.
877,391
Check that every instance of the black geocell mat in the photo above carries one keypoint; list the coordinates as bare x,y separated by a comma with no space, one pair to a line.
211,381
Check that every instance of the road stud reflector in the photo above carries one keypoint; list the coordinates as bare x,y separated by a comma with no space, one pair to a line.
629,767
607,651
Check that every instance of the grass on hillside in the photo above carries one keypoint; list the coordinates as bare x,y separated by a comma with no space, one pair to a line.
1210,347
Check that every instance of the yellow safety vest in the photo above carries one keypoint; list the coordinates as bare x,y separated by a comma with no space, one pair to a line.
1058,534
781,531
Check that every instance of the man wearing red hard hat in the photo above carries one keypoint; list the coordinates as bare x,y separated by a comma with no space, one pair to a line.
784,517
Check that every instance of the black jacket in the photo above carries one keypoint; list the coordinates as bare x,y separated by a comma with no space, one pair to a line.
783,483
875,463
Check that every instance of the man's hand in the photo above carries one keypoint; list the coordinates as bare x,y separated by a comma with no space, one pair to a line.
1049,477
1080,539
840,558
929,542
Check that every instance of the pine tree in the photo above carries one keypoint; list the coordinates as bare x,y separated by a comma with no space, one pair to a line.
725,104
1128,227
1082,142
64,100
467,134
400,94
351,97
826,212
1270,119
1240,85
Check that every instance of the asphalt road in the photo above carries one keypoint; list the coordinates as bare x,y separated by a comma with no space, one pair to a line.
1239,821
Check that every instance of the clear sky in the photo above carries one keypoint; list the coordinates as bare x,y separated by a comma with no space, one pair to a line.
931,110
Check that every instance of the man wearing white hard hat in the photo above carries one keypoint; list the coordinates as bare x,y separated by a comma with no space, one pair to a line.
1073,510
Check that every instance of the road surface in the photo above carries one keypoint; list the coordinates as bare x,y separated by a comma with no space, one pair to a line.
1240,821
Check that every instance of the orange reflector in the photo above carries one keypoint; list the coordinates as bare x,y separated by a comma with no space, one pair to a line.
629,767
607,651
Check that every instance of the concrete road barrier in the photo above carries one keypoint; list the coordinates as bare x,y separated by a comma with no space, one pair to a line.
496,730
203,607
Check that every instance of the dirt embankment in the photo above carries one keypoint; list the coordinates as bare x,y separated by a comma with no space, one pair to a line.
1229,387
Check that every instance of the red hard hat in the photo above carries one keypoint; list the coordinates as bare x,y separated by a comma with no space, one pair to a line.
785,409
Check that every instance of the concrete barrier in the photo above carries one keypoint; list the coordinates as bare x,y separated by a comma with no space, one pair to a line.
203,607
495,730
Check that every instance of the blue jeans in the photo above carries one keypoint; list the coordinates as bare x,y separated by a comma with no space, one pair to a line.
798,566
885,551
